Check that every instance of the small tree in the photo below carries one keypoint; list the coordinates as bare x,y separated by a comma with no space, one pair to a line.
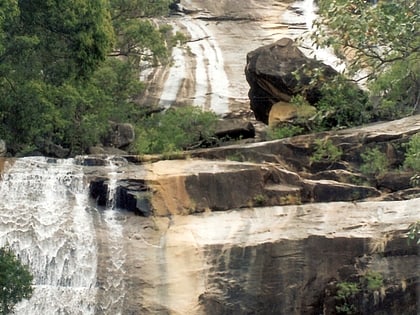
15,281
381,42
177,129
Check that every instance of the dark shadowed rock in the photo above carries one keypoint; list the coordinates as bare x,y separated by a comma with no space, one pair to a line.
119,135
98,190
270,73
234,129
395,181
49,148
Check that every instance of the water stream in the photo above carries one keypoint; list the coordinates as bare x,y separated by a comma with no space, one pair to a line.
208,71
44,219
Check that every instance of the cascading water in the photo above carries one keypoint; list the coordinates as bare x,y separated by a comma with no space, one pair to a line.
44,219
112,276
303,14
73,250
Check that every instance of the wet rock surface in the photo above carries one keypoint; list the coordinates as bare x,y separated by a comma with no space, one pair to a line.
257,229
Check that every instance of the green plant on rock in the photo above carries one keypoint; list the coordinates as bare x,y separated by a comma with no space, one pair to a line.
387,56
412,154
372,280
259,200
175,130
375,163
275,133
342,104
413,233
236,157
345,292
15,281
326,151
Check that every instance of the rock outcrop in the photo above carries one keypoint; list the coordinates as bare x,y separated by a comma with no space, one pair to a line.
270,71
283,260
235,129
271,173
263,239
120,135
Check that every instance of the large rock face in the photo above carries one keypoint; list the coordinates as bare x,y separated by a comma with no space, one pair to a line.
270,260
270,73
246,229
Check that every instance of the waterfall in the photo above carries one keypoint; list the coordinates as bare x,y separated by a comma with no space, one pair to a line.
44,219
303,13
111,278
74,251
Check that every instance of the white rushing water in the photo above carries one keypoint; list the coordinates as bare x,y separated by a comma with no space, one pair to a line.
303,15
44,219
211,78
113,284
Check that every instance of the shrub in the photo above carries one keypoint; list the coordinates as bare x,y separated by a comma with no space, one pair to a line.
413,233
259,200
346,291
15,281
176,129
326,151
375,163
342,104
284,132
372,280
412,154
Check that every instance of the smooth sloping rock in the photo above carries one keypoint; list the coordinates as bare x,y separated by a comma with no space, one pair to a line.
271,260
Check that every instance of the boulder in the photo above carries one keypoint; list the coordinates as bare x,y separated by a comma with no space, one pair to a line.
234,129
120,135
100,150
283,112
49,148
270,71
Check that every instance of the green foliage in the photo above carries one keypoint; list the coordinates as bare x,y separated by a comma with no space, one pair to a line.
58,82
413,233
342,104
259,200
123,10
176,129
387,56
140,39
412,154
375,163
284,132
326,151
236,157
15,281
345,292
372,280
74,37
